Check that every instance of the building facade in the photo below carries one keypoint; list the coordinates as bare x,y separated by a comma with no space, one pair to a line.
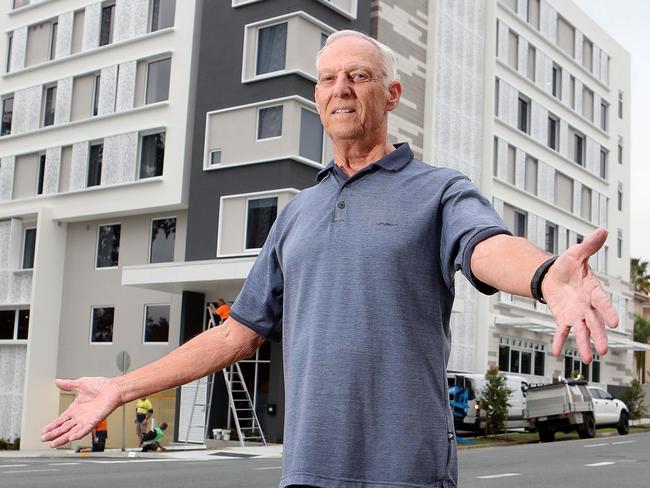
146,150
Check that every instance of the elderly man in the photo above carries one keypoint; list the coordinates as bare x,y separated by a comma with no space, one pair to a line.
381,235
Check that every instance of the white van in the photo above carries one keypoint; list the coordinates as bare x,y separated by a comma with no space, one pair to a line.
467,392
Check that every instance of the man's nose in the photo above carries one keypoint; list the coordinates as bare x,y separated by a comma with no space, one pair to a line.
342,86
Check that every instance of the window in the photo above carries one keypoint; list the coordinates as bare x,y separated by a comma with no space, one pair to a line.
563,192
619,243
573,366
7,115
587,54
585,203
550,240
513,49
556,82
55,26
620,152
604,112
604,156
14,325
521,356
522,114
163,237
588,103
530,184
96,94
620,196
261,214
156,323
106,29
215,156
540,363
271,48
579,238
29,248
530,69
533,13
620,104
269,122
85,96
311,136
595,369
520,223
565,36
95,158
553,132
572,92
108,245
152,155
49,105
579,149
323,39
512,164
158,80
162,14
77,31
40,178
10,38
101,329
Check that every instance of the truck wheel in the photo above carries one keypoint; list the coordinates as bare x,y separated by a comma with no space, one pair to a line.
545,434
588,429
623,425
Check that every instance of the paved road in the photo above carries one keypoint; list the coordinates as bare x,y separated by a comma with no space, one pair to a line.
620,462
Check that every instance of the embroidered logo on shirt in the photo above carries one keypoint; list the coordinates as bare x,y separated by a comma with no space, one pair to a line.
386,224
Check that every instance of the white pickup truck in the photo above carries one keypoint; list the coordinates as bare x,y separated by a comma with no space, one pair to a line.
572,405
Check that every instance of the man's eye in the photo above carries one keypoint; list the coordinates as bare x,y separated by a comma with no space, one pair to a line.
358,77
325,79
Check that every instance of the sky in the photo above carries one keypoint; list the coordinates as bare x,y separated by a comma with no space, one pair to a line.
628,22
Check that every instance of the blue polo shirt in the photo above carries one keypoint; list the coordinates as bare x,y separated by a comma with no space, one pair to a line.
357,278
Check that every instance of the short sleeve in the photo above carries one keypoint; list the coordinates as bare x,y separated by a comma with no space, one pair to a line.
467,219
259,304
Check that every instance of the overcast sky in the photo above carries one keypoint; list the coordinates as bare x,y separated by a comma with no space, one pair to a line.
628,21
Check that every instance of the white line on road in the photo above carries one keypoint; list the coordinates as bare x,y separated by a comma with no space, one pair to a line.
271,467
597,445
604,463
29,471
621,442
13,465
62,464
120,461
504,475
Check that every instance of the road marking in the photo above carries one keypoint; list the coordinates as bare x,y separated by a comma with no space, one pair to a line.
621,442
13,465
604,463
62,464
597,445
29,471
271,467
504,475
120,461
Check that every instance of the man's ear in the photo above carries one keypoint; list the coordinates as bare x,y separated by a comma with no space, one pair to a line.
394,94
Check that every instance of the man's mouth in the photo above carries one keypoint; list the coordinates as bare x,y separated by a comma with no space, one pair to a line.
343,111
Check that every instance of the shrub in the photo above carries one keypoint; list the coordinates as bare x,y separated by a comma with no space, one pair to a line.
494,401
633,397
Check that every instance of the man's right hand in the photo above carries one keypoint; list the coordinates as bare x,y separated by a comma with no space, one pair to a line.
96,399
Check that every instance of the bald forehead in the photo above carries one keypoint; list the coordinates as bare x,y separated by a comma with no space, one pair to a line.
352,46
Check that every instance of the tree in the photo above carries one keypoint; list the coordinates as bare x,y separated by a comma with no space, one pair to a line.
642,335
494,401
633,398
639,277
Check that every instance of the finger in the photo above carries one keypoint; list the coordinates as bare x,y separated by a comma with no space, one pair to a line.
67,385
600,301
559,339
596,326
582,341
79,431
64,417
59,431
591,244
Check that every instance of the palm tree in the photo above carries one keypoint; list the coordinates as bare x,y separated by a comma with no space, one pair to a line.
639,276
642,335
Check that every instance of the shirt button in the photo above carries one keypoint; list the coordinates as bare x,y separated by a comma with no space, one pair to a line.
341,204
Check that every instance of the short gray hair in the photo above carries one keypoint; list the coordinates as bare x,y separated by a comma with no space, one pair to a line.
389,64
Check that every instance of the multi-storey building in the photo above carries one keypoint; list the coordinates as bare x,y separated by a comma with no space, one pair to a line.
146,150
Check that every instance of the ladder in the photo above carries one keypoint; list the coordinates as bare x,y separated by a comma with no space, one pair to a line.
240,404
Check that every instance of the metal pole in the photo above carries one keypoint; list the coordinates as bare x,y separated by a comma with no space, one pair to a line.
123,408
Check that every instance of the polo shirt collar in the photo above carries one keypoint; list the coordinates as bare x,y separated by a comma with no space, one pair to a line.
395,161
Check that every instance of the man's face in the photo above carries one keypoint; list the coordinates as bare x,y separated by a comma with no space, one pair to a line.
351,95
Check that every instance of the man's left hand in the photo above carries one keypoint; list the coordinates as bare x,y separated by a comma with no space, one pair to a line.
577,300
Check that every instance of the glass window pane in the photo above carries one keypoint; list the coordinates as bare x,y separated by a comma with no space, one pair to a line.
595,372
158,80
23,324
568,366
504,356
29,248
540,363
162,14
156,328
108,245
261,215
271,48
584,370
311,136
526,362
106,33
152,156
163,236
40,179
7,115
269,123
102,324
7,321
50,103
514,361
95,158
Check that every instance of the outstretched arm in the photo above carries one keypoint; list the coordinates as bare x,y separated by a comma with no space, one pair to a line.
210,351
573,294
